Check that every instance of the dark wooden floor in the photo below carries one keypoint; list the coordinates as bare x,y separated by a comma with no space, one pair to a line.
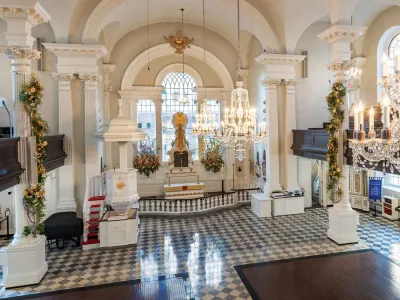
361,275
155,290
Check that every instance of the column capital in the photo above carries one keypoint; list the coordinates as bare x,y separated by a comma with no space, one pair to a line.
90,77
271,83
290,85
17,52
340,69
63,76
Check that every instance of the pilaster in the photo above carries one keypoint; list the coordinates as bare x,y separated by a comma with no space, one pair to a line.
272,145
108,69
66,176
92,123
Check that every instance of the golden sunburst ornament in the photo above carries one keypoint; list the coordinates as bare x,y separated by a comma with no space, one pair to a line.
120,185
179,41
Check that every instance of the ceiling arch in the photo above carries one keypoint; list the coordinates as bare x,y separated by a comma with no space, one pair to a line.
178,68
164,50
220,17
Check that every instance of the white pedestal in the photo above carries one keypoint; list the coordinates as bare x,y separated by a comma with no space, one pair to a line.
261,205
119,232
24,263
287,206
343,226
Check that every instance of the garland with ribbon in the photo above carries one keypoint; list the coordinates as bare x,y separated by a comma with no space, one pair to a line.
30,97
335,101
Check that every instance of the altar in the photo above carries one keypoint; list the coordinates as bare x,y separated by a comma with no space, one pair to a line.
184,191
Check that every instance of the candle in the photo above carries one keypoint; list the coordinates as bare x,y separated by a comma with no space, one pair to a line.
371,119
169,180
198,179
385,65
356,124
386,115
361,112
397,60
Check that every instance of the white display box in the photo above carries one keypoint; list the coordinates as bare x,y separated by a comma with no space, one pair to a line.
115,233
261,205
287,206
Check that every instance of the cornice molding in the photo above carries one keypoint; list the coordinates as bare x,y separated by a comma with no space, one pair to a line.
73,50
342,33
287,59
24,10
20,53
290,83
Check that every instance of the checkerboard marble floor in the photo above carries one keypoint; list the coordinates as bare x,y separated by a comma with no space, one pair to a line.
208,247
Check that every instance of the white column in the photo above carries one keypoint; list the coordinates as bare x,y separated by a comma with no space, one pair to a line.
158,104
23,260
305,179
290,124
92,159
66,177
107,70
131,149
343,219
272,145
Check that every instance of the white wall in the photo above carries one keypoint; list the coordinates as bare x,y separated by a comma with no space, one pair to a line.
311,107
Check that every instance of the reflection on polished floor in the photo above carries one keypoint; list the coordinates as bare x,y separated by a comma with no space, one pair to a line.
208,247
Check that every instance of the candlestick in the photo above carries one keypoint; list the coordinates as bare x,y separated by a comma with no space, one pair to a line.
198,179
169,180
356,124
385,65
371,119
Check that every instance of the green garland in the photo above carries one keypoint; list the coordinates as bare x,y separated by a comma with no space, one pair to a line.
335,101
30,97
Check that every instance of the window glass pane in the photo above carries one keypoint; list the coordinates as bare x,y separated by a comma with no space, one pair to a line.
393,47
393,180
146,118
178,86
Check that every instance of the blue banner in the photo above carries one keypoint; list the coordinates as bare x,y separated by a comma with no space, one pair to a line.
375,188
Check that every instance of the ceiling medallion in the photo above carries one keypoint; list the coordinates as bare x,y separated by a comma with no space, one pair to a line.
179,41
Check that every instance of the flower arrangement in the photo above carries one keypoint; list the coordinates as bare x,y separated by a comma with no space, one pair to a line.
212,159
146,161
335,101
30,97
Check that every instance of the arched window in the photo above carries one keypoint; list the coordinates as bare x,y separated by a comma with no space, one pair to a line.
146,118
179,95
394,46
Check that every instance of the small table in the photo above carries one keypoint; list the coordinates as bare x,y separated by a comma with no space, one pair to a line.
287,206
261,205
119,232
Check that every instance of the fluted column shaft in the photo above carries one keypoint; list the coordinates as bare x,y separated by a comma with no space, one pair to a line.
290,124
272,145
92,123
66,175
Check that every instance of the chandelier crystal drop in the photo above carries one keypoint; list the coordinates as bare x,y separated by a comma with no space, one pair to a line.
205,124
382,147
239,127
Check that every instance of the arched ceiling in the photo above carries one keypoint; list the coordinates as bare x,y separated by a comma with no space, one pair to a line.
220,17
278,24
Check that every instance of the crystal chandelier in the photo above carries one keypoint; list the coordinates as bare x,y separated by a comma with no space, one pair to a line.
385,146
205,124
239,128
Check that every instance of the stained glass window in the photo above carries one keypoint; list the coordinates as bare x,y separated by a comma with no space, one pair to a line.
180,95
146,118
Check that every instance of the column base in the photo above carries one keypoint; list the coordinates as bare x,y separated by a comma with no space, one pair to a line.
269,188
24,263
343,226
66,204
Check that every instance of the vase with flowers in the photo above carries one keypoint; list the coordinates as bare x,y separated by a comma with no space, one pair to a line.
146,160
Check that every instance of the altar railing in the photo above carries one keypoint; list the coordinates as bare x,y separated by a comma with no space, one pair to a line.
161,206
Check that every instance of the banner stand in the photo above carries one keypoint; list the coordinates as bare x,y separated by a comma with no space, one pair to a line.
375,191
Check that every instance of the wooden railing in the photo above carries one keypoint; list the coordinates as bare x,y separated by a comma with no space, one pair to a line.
10,167
55,152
